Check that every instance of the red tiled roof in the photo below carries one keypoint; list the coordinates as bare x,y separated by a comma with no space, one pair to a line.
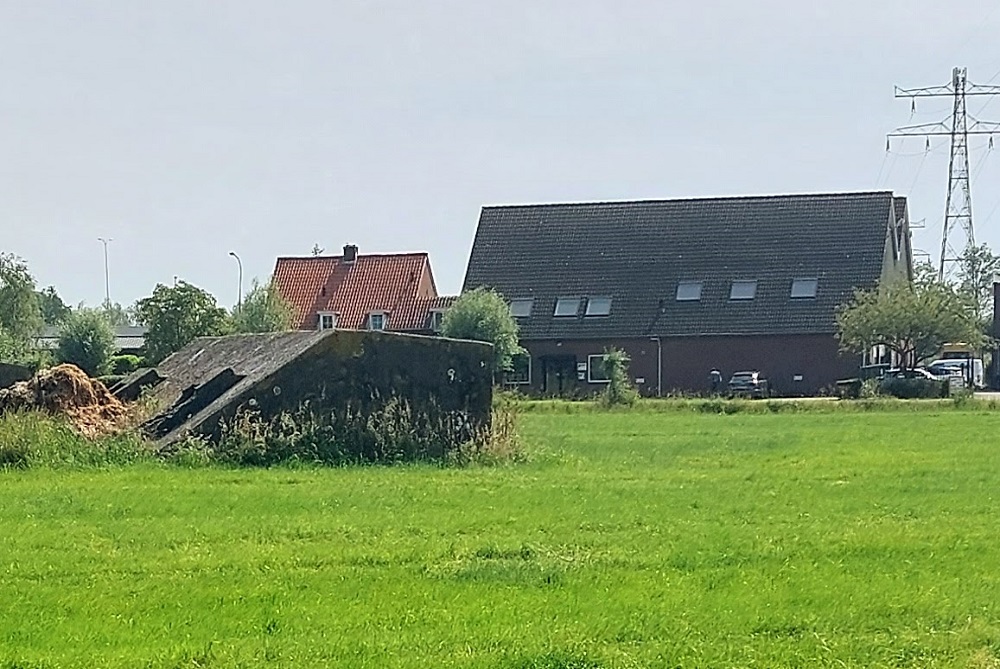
401,285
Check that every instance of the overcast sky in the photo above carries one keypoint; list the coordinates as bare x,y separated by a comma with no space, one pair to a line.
188,129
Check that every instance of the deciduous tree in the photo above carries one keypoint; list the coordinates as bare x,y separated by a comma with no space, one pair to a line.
176,315
977,267
20,317
87,340
483,315
53,310
912,319
263,310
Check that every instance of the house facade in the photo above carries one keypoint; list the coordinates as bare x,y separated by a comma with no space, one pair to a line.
687,286
391,292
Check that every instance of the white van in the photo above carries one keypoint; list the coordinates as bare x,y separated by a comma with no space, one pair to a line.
946,366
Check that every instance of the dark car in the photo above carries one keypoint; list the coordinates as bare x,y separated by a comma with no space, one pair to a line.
748,384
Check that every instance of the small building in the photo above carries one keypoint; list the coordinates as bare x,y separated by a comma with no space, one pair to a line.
391,292
129,339
335,376
688,286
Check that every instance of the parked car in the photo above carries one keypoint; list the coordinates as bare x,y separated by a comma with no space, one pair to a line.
960,367
917,373
748,384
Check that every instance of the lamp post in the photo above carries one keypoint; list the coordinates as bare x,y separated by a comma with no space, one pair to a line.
107,276
239,295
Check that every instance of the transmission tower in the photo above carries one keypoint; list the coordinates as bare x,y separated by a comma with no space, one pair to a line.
958,205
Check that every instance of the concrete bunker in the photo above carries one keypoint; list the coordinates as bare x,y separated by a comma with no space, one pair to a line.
207,384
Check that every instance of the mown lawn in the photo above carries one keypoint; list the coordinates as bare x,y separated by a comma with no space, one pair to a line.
638,539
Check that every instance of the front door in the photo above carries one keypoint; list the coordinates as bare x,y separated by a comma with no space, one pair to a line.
558,375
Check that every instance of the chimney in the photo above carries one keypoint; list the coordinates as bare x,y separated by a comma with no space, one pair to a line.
350,253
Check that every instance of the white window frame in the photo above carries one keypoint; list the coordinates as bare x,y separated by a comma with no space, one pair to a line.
590,301
567,298
691,285
371,318
521,383
332,315
742,282
590,368
805,280
529,301
437,318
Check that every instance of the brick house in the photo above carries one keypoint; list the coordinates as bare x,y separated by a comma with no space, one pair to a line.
685,286
392,292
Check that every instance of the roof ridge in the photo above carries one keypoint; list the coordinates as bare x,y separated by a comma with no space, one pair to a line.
705,198
360,255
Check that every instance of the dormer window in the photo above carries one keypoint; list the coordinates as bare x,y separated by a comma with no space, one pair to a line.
437,318
327,320
376,320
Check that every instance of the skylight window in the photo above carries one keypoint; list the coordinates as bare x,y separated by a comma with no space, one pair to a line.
804,288
689,291
376,320
743,290
567,306
521,307
598,306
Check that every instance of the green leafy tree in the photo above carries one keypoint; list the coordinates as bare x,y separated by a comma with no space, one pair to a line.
53,310
263,310
977,267
176,315
117,315
20,317
86,340
912,319
483,315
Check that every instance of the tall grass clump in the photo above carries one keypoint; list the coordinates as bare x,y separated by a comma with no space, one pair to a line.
34,439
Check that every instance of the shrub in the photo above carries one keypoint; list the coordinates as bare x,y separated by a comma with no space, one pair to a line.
123,365
619,391
913,388
87,341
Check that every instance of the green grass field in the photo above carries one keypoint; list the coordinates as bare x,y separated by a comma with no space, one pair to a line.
642,539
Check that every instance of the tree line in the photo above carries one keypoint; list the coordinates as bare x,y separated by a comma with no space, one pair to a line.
173,316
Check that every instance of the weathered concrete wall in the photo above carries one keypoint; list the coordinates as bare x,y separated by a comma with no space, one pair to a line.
11,374
329,371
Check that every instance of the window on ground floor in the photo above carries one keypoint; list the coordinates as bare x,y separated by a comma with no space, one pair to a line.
520,372
596,372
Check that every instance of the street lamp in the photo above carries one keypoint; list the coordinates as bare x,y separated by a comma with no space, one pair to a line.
239,295
107,276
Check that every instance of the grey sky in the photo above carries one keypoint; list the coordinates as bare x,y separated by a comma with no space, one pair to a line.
186,129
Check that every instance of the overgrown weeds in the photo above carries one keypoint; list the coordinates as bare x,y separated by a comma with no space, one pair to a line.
34,439
394,433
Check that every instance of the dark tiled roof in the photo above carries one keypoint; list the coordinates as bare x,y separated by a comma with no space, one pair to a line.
401,285
637,252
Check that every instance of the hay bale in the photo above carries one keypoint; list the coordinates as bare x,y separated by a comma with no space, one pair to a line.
67,391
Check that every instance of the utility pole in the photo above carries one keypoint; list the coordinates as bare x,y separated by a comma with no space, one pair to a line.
958,204
107,275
